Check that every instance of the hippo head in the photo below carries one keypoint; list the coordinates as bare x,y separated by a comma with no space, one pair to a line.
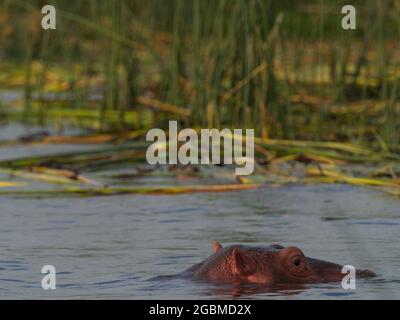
279,265
270,265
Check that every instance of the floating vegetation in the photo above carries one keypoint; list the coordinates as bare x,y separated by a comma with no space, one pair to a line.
4,184
131,190
278,162
324,110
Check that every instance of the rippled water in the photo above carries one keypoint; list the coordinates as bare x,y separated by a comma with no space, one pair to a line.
109,247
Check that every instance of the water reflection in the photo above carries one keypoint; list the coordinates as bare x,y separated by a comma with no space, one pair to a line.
247,291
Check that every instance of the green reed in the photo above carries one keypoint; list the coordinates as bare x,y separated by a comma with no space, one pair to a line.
232,63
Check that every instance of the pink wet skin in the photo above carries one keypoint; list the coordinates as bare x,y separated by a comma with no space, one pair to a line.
270,265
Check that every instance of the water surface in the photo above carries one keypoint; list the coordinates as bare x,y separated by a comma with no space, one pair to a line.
109,247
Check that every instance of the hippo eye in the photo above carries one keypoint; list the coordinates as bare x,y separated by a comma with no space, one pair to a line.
296,261
297,264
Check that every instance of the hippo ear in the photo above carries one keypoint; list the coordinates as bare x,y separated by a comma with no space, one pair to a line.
242,264
216,246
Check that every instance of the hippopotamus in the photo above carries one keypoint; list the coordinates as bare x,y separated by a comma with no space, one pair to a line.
273,265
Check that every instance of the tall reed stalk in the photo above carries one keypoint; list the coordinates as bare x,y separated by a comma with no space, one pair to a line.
281,67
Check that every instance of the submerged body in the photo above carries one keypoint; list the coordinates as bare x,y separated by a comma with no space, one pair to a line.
269,266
